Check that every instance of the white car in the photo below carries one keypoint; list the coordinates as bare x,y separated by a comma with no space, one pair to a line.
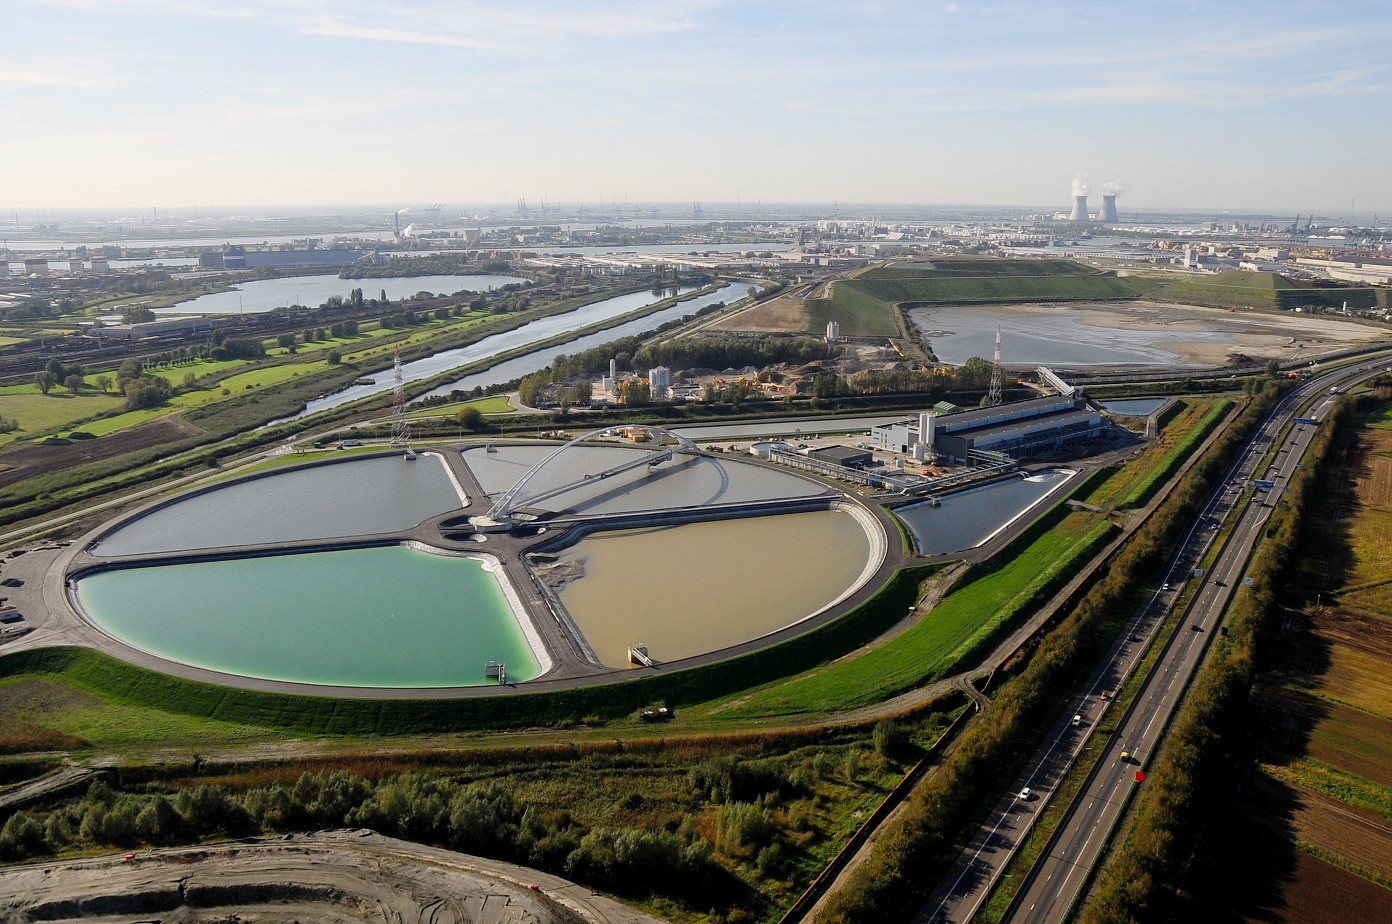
1025,794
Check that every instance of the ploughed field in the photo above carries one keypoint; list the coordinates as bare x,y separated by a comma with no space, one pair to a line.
1328,758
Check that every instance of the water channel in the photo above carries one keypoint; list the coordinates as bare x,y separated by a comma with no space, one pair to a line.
530,333
517,367
1133,407
967,519
687,590
354,497
380,617
265,295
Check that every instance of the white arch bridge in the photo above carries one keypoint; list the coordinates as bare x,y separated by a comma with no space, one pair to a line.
515,497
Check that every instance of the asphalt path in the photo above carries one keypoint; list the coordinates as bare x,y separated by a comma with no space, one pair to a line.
1054,884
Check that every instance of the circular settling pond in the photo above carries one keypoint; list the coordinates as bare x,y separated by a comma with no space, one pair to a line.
379,617
352,497
691,589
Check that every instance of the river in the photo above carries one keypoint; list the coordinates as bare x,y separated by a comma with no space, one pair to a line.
265,295
531,333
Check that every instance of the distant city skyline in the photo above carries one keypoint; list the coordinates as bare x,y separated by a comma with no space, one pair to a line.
1278,107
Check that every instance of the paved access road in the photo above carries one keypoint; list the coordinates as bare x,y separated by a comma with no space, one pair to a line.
1054,884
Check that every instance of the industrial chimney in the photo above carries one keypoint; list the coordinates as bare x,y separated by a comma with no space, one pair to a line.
1080,197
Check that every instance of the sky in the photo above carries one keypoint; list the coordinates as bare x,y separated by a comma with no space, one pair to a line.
1276,105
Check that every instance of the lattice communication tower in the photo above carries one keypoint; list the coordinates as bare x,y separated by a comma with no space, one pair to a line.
993,397
400,431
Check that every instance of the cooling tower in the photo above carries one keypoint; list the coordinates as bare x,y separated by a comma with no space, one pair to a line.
1080,209
1108,215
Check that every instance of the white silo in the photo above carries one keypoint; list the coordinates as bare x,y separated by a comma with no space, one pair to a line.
927,433
833,331
660,382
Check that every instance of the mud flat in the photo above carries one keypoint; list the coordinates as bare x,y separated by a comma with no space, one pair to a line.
1140,333
337,876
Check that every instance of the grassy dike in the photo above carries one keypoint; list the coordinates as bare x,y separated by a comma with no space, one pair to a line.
909,856
1138,884
127,684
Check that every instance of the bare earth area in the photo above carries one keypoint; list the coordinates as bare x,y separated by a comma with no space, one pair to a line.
27,461
1322,893
1356,835
784,314
336,876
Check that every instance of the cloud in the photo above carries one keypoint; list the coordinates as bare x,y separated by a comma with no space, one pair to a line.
457,23
60,72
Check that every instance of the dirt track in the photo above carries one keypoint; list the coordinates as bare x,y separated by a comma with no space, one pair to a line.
334,876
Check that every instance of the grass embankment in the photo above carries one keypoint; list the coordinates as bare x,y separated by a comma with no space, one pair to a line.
977,267
1272,291
1188,779
1188,423
118,682
957,289
858,313
921,843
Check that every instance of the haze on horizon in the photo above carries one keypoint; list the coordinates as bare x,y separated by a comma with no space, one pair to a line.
115,103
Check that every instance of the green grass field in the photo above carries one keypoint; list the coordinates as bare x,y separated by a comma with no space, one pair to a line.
37,413
47,703
977,267
1002,288
859,314
488,404
1135,484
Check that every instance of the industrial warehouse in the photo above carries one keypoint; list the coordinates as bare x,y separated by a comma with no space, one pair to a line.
1018,428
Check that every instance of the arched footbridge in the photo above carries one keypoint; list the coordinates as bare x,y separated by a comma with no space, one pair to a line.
660,451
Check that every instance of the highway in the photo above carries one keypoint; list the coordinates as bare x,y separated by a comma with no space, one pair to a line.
1053,886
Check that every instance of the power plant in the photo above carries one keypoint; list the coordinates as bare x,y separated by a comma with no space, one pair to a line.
1080,213
1080,197
1108,215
